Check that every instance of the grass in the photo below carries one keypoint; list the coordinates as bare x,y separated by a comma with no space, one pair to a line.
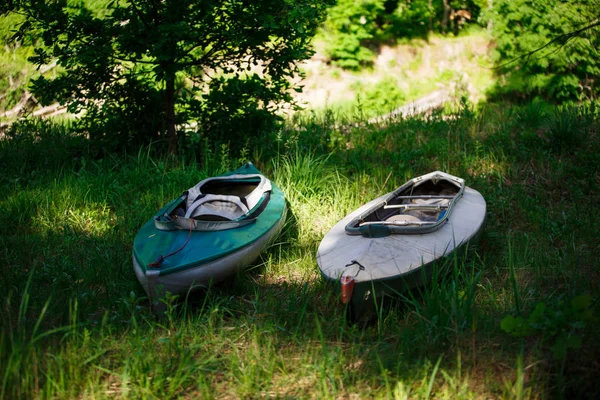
75,323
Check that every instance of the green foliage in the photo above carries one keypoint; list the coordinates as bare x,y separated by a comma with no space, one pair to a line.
236,110
383,97
411,19
114,125
352,23
355,29
561,326
565,70
163,55
15,71
570,127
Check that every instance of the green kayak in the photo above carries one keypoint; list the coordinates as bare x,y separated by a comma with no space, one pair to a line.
203,237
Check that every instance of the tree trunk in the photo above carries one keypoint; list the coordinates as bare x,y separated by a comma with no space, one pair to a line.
430,8
170,110
446,16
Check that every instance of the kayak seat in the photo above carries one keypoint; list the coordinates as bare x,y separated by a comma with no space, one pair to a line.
226,198
402,217
217,207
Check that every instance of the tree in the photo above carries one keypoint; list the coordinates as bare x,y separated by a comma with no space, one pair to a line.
154,63
349,25
548,48
355,29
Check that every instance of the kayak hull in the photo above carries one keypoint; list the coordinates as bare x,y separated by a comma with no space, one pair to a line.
203,275
368,296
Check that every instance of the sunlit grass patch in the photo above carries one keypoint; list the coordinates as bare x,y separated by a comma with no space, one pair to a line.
64,209
487,166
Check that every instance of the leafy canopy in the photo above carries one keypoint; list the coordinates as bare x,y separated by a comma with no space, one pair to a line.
139,67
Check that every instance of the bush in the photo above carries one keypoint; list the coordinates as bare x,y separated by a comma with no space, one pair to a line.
136,63
350,25
355,29
238,112
565,70
383,97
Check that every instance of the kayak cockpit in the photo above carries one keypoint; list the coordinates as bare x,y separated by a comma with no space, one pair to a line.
218,203
419,206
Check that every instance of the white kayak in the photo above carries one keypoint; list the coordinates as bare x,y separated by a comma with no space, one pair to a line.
382,248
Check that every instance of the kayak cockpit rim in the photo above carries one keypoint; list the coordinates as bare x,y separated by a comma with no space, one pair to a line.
422,205
217,203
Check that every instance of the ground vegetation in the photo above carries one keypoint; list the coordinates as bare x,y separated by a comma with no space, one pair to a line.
517,318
